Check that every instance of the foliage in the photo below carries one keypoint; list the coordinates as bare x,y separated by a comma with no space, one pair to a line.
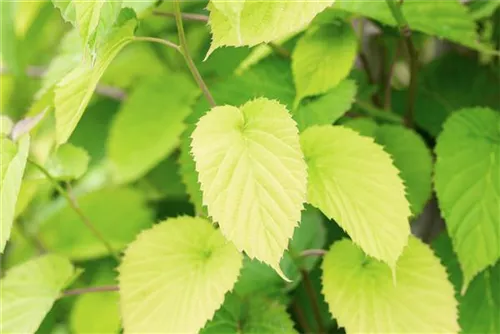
250,166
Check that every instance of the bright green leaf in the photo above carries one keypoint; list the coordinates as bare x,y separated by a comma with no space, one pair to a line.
174,276
467,180
252,174
410,154
68,162
29,290
13,157
365,297
260,21
322,58
445,19
251,315
117,213
149,125
74,91
358,186
6,125
328,108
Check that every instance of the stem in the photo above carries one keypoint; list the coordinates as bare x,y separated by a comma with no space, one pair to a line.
158,40
405,31
388,88
185,16
104,288
301,319
313,252
279,50
378,113
313,300
185,52
74,205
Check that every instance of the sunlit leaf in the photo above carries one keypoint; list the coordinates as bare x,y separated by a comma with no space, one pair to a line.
252,174
174,276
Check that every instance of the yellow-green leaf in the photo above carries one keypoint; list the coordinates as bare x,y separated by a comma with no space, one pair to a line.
353,180
467,180
259,21
74,91
252,175
322,58
68,162
13,157
365,297
28,291
174,276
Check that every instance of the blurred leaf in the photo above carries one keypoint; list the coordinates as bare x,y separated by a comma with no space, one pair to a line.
322,58
119,214
13,157
445,19
74,91
467,185
29,290
480,9
327,108
68,162
149,124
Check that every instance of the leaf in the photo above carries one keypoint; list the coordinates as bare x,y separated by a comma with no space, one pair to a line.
251,315
354,281
359,187
444,19
252,175
328,108
258,278
468,186
13,159
68,162
102,307
480,306
271,78
74,91
322,58
117,213
149,124
6,125
28,291
411,156
174,276
259,21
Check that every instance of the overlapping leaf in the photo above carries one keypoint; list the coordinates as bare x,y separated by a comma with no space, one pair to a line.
467,180
365,297
29,290
322,58
259,21
252,174
359,187
13,157
174,276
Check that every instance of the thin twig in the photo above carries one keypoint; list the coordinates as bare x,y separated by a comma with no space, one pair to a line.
80,291
313,252
301,319
405,32
185,16
279,50
313,300
187,56
159,40
74,205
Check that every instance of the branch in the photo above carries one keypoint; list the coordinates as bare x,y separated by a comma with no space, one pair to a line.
104,288
313,252
74,205
185,16
187,56
405,31
313,300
